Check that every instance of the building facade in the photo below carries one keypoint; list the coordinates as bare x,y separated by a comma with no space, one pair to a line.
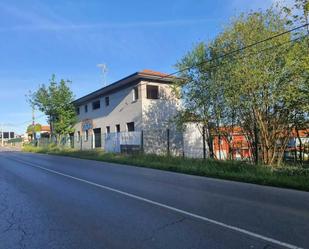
5,136
143,101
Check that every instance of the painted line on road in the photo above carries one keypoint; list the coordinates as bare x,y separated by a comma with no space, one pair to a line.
234,228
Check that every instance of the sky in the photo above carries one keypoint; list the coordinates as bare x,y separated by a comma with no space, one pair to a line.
69,38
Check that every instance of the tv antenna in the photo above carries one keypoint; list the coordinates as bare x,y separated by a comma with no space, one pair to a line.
103,68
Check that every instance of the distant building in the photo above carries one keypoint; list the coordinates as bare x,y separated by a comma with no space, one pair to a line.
232,145
44,131
7,135
298,142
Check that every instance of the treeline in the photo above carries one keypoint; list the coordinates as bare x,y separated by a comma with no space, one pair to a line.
254,75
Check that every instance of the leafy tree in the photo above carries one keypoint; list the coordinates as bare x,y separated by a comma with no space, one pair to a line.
299,15
34,128
262,89
196,89
269,81
55,101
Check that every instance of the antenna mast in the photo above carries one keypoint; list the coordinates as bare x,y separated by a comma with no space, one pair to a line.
103,68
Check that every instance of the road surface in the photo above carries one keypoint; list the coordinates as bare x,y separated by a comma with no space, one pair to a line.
60,202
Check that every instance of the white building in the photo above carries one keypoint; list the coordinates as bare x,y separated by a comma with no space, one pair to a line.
143,101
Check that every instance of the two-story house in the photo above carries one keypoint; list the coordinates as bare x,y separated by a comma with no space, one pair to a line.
143,101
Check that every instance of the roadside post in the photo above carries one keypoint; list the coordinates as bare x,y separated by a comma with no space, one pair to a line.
142,141
168,141
2,135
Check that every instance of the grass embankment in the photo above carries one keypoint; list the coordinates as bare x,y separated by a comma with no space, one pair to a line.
285,176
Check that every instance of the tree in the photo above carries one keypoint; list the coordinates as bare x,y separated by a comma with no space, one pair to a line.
55,101
34,128
262,88
299,15
195,87
271,79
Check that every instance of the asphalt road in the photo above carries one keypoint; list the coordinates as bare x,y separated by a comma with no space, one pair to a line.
59,202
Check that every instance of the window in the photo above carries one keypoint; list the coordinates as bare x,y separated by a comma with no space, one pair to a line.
118,128
130,126
152,92
78,136
86,135
107,101
108,129
96,105
135,93
86,108
77,110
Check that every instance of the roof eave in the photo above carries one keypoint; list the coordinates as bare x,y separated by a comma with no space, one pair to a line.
122,82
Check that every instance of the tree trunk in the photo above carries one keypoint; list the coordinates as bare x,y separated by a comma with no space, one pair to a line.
256,144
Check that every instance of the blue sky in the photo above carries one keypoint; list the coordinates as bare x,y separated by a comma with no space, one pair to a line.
70,37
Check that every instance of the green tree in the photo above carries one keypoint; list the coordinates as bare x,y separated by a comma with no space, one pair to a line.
55,101
269,81
196,88
262,89
34,128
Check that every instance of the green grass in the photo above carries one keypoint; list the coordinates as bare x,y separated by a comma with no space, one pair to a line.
285,176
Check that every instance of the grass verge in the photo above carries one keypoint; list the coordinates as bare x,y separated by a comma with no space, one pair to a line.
286,177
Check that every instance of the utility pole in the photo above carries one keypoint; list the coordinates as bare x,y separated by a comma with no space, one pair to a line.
2,142
33,124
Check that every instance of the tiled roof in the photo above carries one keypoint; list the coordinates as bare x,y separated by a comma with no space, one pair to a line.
154,73
45,128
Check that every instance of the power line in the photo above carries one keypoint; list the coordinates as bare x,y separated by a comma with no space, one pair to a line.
30,120
234,51
22,123
219,57
263,50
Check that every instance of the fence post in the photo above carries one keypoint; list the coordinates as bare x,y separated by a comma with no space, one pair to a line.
81,142
168,141
204,142
142,141
183,145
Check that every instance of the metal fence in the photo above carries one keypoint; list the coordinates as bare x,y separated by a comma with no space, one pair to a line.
156,141
189,144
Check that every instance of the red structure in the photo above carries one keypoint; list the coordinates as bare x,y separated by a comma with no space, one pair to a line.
231,144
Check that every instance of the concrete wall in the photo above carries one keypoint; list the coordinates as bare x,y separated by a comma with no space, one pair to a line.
193,141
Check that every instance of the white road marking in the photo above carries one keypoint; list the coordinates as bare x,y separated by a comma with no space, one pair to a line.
237,229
